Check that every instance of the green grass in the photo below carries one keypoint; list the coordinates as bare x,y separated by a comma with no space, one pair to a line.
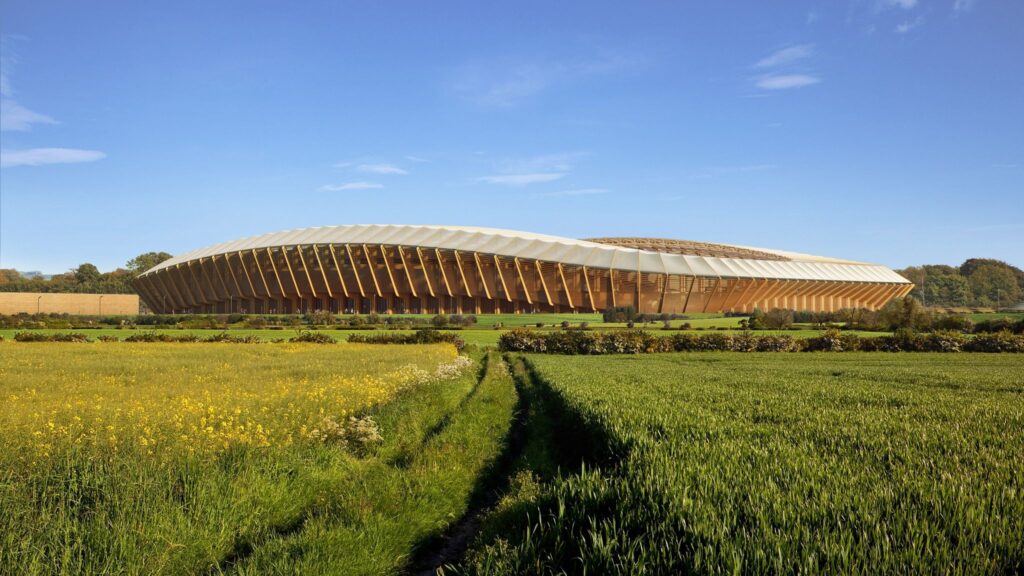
73,500
419,484
996,316
718,463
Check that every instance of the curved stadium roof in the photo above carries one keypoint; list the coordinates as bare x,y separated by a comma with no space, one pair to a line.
616,253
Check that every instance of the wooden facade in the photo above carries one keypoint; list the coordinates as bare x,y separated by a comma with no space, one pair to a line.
393,278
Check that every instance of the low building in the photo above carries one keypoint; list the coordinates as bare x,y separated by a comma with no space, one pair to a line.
455,269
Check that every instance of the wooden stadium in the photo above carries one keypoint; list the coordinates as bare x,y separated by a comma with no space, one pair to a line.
460,270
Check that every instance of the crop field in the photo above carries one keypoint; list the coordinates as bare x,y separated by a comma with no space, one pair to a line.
252,459
170,458
719,463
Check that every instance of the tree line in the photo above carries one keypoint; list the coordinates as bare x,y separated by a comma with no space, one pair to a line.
978,282
84,279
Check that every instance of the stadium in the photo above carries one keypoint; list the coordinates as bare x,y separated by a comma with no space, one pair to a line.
461,270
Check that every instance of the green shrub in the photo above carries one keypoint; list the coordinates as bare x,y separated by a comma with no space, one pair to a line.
422,336
321,318
312,337
829,341
226,337
946,341
156,337
256,322
57,337
1004,341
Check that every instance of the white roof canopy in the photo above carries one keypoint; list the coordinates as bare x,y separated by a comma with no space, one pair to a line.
556,249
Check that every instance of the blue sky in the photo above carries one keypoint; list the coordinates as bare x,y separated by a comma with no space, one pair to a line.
889,131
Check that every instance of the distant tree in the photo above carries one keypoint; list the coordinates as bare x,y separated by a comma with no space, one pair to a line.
938,285
994,285
779,319
906,312
144,262
948,290
915,274
9,276
971,265
774,319
86,274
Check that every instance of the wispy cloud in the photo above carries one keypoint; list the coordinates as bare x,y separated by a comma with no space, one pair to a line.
521,179
577,192
506,82
42,156
904,4
908,26
716,171
15,117
533,169
788,69
558,162
416,159
380,169
786,81
786,56
963,5
743,168
351,186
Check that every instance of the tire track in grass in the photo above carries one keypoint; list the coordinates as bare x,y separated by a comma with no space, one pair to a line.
444,549
546,436
244,548
445,421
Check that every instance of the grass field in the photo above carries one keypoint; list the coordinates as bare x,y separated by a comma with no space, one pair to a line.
996,316
199,458
286,458
717,463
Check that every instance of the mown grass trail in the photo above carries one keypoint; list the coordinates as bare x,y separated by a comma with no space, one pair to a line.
205,458
717,463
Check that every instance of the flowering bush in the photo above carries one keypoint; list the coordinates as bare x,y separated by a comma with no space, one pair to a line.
946,341
355,434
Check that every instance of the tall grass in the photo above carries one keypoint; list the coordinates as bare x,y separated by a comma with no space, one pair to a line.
179,458
722,464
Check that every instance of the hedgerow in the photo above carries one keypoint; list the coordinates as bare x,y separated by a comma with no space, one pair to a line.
426,336
575,342
52,337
